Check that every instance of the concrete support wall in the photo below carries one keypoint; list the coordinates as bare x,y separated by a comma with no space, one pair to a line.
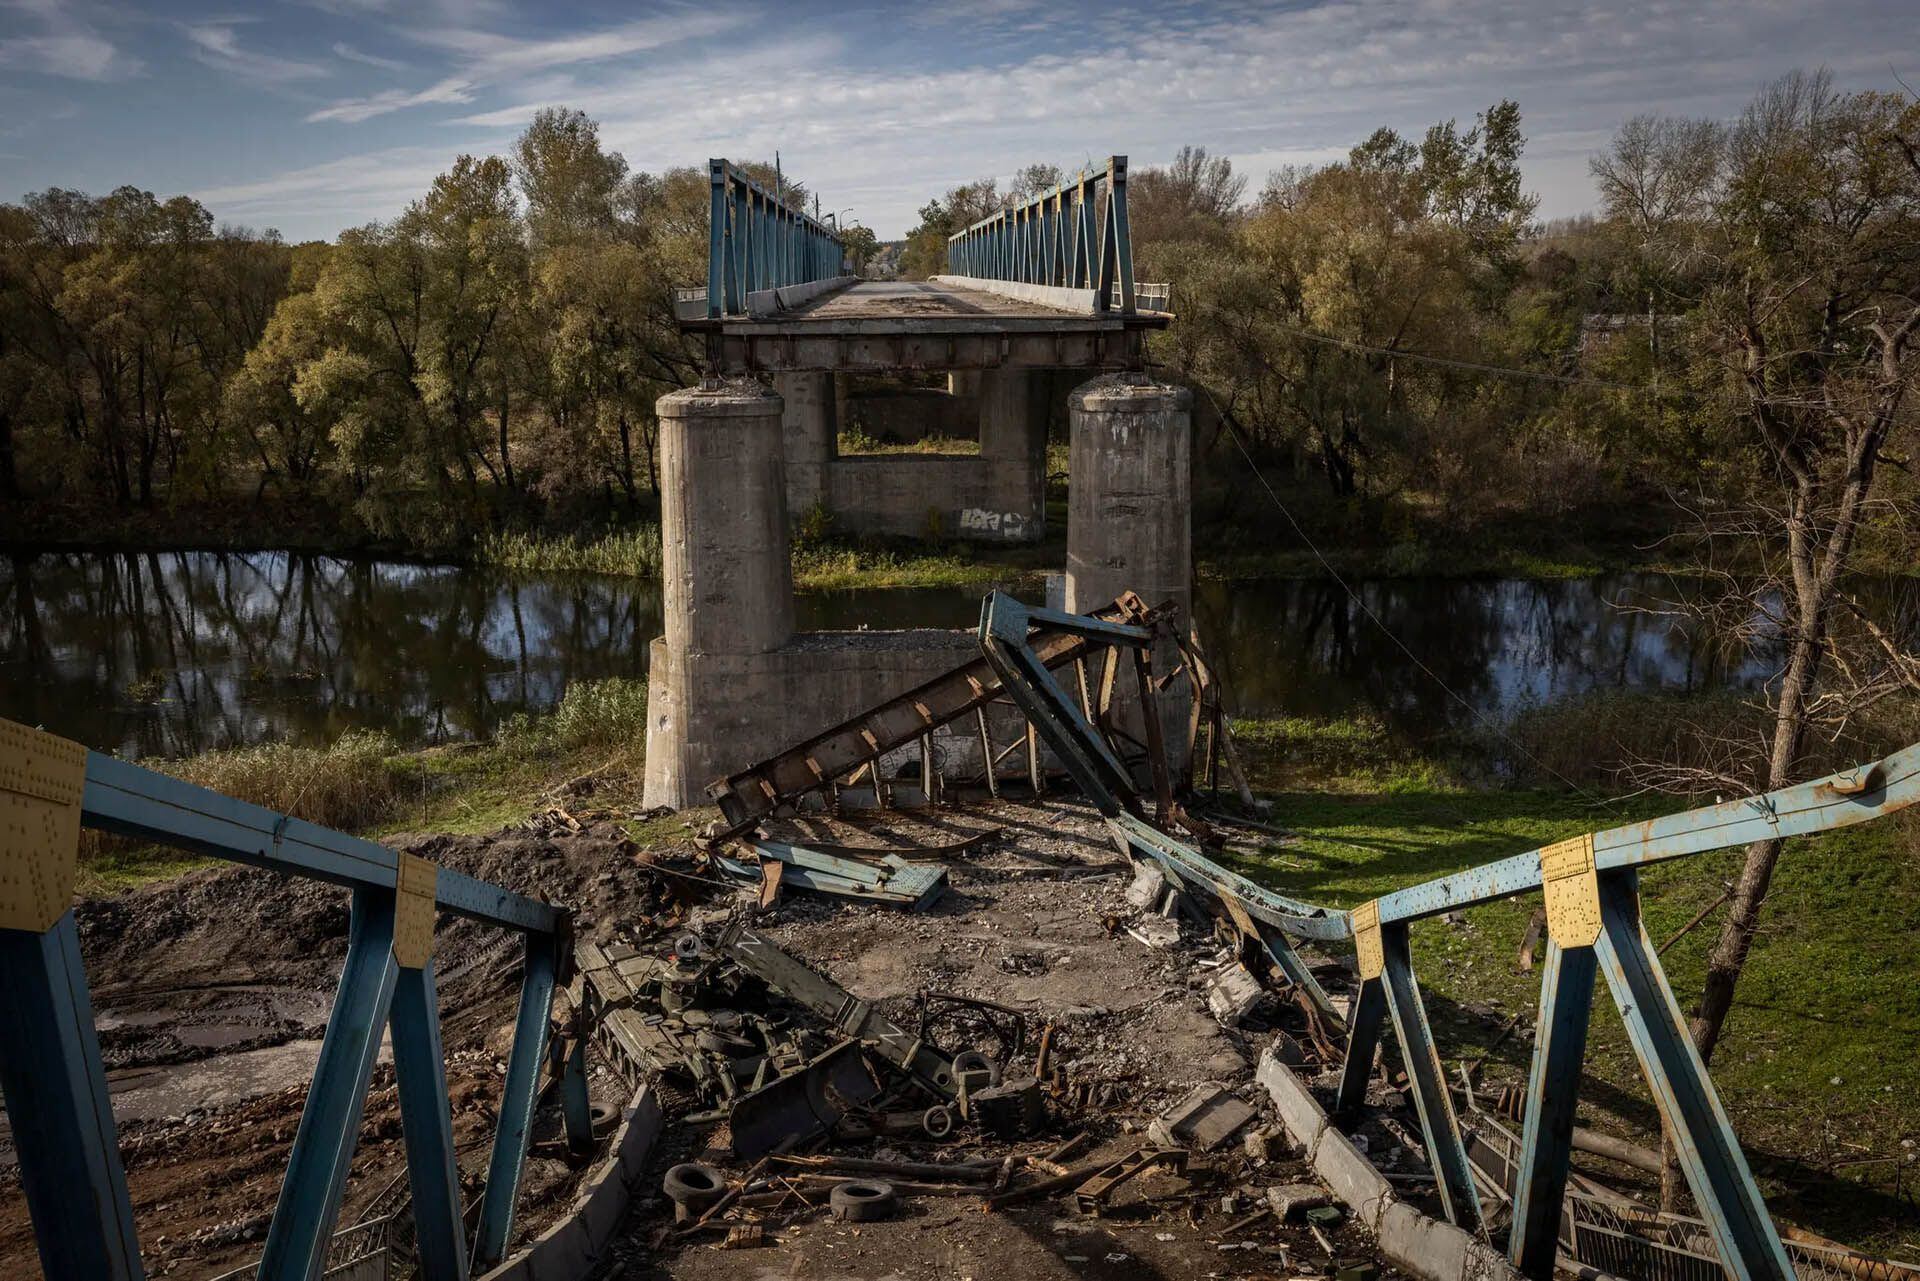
710,714
1013,441
1129,516
810,428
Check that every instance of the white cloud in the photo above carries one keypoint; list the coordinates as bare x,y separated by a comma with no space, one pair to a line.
490,54
354,110
484,58
343,192
342,49
65,46
217,45
1267,86
78,57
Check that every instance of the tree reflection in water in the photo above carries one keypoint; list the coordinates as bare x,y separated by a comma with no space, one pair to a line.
176,652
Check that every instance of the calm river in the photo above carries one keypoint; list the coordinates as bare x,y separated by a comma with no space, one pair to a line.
175,652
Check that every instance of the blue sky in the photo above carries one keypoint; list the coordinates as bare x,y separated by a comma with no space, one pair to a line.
314,116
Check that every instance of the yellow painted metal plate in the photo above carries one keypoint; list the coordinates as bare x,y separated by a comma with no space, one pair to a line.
1572,892
413,912
41,779
1366,939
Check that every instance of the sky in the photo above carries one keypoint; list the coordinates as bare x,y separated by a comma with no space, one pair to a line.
310,116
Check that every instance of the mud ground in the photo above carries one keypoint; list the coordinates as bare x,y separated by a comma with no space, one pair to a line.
212,990
1034,920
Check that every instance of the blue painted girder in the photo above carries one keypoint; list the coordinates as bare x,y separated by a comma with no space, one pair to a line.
316,1178
62,1117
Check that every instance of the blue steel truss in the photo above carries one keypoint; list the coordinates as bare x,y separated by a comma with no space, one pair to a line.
1605,865
756,242
55,1084
1068,237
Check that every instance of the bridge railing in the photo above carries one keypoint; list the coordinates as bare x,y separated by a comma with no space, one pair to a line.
50,1065
1590,885
756,243
1073,237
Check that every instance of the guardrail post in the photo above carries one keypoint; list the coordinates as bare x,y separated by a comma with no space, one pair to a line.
50,1068
1421,1057
419,1064
1716,1170
516,1104
309,1205
1365,1017
1546,1144
62,1117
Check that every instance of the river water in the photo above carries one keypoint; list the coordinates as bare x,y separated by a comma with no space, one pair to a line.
176,652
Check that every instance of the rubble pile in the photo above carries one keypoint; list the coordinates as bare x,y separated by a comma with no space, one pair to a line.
1010,1064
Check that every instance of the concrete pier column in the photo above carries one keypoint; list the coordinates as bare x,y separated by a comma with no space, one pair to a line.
964,383
810,428
727,584
1013,444
1130,502
1130,519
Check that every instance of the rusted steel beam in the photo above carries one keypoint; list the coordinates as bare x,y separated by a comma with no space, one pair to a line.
757,791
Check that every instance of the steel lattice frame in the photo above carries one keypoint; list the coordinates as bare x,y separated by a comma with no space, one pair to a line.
1591,885
50,1065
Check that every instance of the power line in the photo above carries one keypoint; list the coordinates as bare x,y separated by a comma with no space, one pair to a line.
1507,371
1498,730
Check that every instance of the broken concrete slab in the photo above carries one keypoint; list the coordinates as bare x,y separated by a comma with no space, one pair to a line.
1206,1118
1232,994
1155,931
1290,1199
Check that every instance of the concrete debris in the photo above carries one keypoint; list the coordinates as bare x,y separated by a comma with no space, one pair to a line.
1205,1119
1148,888
1293,1199
1155,931
1232,994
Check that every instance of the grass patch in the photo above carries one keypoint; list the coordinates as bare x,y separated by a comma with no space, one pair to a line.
858,442
633,551
365,784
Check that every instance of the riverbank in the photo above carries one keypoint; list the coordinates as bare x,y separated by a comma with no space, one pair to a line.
823,560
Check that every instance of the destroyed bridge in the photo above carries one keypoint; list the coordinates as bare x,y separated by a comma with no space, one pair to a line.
1110,693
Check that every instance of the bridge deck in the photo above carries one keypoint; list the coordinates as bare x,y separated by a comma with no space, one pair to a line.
921,300
874,326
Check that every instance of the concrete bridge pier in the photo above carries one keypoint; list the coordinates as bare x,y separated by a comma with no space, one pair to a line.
810,429
1013,444
1130,516
727,584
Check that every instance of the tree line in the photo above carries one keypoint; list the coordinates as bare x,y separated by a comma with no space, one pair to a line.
492,353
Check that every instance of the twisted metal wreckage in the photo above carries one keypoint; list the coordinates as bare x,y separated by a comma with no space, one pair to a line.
55,1087
1589,883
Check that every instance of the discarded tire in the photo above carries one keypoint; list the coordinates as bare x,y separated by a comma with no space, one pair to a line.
693,1186
603,1117
937,1122
974,1061
862,1200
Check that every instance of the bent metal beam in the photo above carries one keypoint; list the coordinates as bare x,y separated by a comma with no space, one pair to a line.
1591,887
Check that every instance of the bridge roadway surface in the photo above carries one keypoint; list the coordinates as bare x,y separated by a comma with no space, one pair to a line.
877,326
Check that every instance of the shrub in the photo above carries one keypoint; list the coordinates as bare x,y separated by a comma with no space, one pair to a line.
353,783
606,713
633,551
